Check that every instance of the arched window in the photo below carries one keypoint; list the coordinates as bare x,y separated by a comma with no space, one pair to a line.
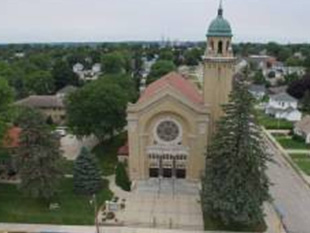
227,46
212,45
220,47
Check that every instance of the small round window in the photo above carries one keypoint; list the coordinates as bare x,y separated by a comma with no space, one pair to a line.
168,131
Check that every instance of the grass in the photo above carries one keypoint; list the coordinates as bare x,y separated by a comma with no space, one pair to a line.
302,161
68,166
271,123
212,224
74,209
289,143
106,152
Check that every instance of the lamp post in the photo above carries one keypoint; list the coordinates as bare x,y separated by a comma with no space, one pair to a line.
94,201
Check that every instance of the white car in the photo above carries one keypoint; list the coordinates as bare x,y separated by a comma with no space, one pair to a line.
61,131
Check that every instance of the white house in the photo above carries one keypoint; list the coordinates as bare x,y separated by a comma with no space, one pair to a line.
302,128
96,68
283,106
78,67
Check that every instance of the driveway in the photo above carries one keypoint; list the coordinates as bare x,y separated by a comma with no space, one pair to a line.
71,145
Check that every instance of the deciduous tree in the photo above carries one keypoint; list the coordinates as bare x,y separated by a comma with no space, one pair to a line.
159,69
99,107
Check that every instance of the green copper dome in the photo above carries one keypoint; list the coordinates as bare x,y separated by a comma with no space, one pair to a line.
220,27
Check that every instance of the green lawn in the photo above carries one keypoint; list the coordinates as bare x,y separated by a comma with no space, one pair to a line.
216,225
68,166
74,209
271,123
106,152
289,143
302,161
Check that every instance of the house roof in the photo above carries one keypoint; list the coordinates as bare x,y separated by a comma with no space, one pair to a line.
304,125
277,90
67,90
42,101
124,150
11,138
257,88
176,81
283,97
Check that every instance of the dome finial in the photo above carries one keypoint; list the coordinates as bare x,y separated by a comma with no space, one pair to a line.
220,11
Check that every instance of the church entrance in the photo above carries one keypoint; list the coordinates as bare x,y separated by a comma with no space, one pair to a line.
167,166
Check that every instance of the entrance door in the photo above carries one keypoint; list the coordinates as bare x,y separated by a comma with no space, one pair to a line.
181,173
167,172
154,172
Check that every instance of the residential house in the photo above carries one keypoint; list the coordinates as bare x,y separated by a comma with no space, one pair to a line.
277,90
87,75
50,105
283,106
258,91
78,67
302,128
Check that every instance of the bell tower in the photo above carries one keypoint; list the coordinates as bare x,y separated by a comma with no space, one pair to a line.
219,66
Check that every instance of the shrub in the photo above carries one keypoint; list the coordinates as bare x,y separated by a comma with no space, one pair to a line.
121,178
298,138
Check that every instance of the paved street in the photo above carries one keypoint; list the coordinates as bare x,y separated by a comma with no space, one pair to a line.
291,195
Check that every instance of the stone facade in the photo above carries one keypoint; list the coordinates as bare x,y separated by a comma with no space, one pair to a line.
170,125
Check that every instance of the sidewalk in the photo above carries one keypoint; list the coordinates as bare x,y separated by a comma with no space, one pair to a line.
295,151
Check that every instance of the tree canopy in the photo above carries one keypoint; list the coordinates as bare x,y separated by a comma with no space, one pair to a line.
99,107
299,87
159,69
39,158
6,99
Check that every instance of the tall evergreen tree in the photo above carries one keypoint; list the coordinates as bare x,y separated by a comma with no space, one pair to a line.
235,184
87,176
39,158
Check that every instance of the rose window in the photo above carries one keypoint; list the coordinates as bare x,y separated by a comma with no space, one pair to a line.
168,131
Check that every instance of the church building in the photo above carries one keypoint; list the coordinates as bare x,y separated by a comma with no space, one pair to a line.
170,125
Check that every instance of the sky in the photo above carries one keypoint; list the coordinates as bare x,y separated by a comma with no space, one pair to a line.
284,21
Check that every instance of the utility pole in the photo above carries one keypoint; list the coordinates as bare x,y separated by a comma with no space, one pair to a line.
96,212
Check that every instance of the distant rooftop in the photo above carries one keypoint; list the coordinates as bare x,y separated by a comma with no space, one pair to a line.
41,101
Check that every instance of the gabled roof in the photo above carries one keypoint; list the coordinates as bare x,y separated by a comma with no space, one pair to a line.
283,97
176,81
257,88
42,101
304,125
11,138
277,90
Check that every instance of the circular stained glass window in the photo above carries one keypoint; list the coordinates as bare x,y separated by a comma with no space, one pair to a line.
167,131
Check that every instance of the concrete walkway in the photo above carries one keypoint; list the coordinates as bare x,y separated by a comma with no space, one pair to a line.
298,151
